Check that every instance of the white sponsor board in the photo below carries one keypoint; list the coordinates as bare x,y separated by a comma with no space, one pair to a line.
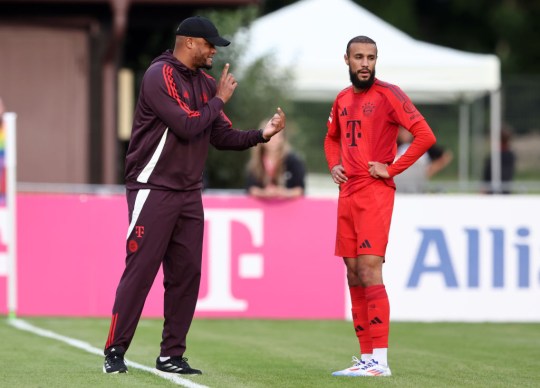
464,258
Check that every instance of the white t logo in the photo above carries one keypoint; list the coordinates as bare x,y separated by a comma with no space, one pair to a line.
219,296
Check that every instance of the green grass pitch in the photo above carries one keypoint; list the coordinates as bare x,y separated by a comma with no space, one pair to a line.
279,353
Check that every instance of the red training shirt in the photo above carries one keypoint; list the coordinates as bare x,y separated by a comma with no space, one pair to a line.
363,127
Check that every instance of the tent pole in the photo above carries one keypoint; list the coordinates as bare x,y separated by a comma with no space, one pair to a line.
495,131
464,129
478,125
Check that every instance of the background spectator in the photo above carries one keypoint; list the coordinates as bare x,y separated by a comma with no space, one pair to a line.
508,163
415,178
274,170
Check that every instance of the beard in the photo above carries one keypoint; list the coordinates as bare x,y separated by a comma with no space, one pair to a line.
203,65
200,62
362,84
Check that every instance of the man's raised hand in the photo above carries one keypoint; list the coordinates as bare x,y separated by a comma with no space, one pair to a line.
274,125
226,85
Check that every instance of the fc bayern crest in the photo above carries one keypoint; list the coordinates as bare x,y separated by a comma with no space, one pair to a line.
368,108
133,246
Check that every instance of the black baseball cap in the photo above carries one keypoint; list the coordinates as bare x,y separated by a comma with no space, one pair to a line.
201,27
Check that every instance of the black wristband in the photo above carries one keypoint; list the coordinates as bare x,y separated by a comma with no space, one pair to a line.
263,140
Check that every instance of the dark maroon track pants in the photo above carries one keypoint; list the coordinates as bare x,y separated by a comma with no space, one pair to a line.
166,227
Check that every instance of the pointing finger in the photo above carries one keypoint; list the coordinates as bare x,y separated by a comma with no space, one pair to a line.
225,70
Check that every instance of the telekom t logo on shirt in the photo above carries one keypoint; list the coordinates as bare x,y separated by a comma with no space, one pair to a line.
219,295
354,126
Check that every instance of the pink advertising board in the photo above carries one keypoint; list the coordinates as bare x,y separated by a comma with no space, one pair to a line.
261,259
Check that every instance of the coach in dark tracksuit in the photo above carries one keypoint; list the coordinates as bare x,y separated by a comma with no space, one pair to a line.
178,114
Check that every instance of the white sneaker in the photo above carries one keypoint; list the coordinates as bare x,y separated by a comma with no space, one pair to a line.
355,370
362,368
373,368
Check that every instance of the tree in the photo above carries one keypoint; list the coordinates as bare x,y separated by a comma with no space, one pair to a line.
260,91
504,27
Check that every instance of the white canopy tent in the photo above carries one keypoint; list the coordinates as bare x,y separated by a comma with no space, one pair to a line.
309,37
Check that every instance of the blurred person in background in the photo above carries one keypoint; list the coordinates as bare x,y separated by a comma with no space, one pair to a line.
179,114
360,148
415,178
275,171
508,163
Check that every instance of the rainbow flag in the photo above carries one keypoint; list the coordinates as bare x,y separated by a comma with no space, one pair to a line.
2,166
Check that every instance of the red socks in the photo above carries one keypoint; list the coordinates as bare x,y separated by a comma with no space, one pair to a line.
360,319
371,316
378,313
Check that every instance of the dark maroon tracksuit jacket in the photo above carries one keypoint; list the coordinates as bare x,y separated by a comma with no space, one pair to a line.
176,118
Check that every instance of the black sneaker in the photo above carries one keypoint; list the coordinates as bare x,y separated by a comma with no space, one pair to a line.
176,365
114,362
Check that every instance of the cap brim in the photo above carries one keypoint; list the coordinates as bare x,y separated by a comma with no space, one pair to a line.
218,41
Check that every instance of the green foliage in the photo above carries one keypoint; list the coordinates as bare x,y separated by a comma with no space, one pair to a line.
400,13
261,89
506,28
311,131
279,353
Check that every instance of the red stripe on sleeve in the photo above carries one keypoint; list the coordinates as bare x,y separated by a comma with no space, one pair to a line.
226,118
173,91
165,77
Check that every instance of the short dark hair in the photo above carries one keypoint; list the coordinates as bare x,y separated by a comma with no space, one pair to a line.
360,39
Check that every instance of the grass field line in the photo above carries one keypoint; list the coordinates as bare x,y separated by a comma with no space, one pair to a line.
23,325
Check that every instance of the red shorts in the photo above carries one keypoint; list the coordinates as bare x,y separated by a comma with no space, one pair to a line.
364,220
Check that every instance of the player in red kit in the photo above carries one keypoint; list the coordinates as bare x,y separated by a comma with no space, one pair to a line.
360,148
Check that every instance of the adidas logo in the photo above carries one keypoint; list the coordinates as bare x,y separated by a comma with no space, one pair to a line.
343,112
171,368
358,328
375,321
365,244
